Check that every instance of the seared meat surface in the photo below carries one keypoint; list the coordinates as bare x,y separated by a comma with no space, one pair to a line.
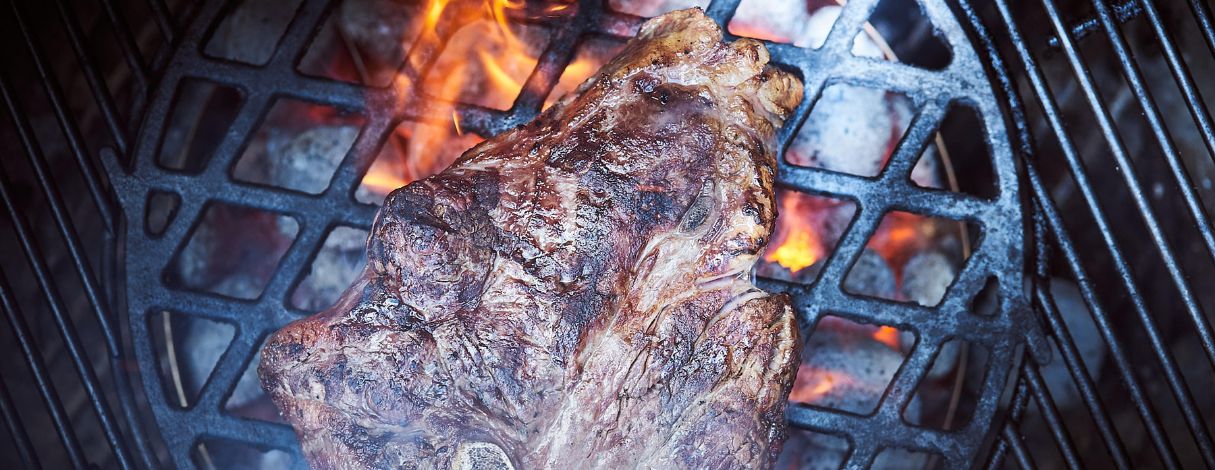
573,293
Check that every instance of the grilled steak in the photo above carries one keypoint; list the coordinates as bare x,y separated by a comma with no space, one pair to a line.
573,293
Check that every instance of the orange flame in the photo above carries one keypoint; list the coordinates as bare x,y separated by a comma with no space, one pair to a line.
796,243
888,336
485,62
900,235
813,384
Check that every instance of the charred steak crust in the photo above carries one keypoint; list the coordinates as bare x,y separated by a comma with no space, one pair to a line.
573,293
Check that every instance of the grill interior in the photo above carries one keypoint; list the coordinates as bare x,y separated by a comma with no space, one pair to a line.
1094,352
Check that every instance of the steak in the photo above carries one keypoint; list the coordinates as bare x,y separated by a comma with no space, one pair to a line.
574,293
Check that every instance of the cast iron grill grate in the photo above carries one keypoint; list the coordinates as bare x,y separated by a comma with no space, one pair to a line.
117,298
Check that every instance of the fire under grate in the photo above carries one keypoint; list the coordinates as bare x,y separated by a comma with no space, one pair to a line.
998,256
94,301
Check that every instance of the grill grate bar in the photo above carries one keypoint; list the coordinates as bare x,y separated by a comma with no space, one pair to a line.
50,85
1005,443
29,351
1080,375
1125,11
1146,411
384,108
1156,122
15,428
1053,115
164,20
1173,376
37,261
1047,220
101,93
65,226
1012,436
1181,74
126,42
1046,406
1202,14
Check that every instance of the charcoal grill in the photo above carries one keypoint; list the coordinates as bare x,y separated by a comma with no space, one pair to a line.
81,289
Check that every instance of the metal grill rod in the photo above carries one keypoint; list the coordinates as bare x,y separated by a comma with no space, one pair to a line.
71,240
50,84
1146,411
1006,442
126,42
1202,14
1181,75
1173,376
1012,436
16,429
33,254
1046,220
1080,376
164,21
1046,406
1203,223
1125,11
29,351
101,93
1052,113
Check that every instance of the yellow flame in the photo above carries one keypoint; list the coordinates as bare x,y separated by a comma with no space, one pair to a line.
799,251
500,78
433,13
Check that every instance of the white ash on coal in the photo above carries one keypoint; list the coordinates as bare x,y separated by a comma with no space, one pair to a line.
335,267
233,251
298,146
808,450
871,276
926,276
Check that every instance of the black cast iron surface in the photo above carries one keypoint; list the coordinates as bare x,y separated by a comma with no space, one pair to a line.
79,275
998,254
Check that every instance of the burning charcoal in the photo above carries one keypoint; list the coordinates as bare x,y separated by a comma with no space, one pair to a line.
845,366
946,360
842,369
926,277
851,129
252,30
804,24
335,267
202,346
510,298
234,251
805,450
307,161
379,30
871,276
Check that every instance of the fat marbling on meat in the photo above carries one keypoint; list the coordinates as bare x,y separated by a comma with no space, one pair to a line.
573,293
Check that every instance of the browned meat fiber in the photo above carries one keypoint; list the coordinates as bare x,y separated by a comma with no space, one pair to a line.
573,293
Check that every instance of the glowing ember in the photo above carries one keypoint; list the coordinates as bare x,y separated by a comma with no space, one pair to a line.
901,235
888,336
807,229
800,250
813,384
